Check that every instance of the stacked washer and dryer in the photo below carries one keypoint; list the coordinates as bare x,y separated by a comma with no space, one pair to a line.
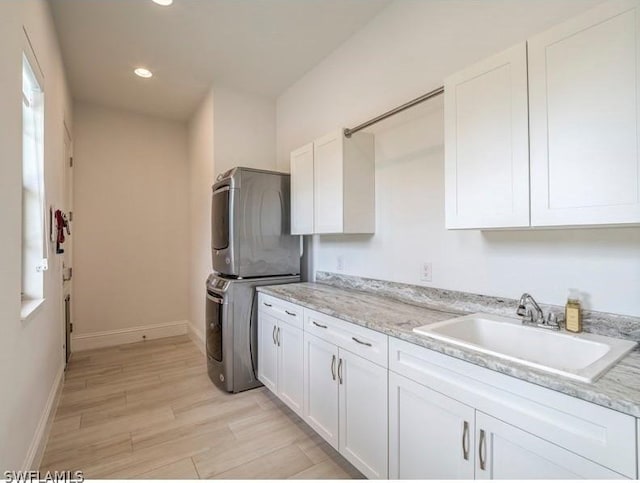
251,246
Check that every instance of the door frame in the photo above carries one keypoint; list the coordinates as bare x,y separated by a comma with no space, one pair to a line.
67,206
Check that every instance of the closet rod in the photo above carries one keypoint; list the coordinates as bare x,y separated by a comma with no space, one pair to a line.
392,112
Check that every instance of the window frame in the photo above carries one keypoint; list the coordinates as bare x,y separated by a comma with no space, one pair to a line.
34,240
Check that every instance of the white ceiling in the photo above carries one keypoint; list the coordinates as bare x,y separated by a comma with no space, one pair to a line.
260,46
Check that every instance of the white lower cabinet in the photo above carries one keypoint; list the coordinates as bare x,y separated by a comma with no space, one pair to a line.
363,414
321,388
268,352
280,353
435,437
517,430
507,452
345,401
395,409
431,436
290,376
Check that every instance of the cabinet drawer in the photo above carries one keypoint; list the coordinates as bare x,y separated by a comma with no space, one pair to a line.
602,435
281,310
364,342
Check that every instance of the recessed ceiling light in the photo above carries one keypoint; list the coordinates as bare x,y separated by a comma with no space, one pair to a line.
142,72
164,3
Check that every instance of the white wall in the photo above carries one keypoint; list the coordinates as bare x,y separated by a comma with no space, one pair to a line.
245,130
230,128
32,358
130,220
200,180
405,51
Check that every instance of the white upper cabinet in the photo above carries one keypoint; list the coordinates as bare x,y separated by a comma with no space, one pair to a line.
302,190
584,81
329,183
487,143
333,185
565,154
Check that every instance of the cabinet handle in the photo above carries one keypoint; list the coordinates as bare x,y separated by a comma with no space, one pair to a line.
290,313
333,367
273,334
319,325
360,342
267,305
465,441
340,371
278,336
482,450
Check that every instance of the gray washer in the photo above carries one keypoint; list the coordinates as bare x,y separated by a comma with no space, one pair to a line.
232,329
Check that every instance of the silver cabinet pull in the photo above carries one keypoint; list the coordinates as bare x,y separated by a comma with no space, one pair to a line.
333,367
482,450
290,313
319,325
340,371
278,336
273,334
465,440
267,305
360,342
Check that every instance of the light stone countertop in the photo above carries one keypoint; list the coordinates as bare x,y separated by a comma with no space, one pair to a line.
618,389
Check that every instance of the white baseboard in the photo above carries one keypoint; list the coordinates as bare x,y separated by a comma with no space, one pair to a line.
129,335
197,337
39,442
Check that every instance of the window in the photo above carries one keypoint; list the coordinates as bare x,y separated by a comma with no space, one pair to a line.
34,261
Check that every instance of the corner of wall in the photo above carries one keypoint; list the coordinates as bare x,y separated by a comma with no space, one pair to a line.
201,177
197,337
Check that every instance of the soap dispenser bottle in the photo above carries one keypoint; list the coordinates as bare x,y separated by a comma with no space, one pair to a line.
573,312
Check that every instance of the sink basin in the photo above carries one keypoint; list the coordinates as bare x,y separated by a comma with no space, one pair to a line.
583,357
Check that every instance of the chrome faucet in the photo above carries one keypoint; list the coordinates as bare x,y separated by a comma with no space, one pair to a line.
536,316
526,313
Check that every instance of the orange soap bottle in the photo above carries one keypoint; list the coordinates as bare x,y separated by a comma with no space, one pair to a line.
573,312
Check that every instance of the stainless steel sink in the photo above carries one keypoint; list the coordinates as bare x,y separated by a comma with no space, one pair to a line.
583,357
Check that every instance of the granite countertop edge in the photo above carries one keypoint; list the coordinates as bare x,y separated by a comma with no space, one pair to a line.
606,391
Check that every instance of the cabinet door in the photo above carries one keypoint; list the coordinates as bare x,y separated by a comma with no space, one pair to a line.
267,351
328,183
302,190
430,435
363,414
487,143
585,102
321,388
506,452
290,360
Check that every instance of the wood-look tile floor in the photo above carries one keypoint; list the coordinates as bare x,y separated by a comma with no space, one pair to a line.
148,410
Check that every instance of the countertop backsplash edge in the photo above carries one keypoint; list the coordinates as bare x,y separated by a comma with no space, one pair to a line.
601,323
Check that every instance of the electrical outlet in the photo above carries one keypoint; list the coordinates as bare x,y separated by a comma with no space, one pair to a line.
340,263
426,273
